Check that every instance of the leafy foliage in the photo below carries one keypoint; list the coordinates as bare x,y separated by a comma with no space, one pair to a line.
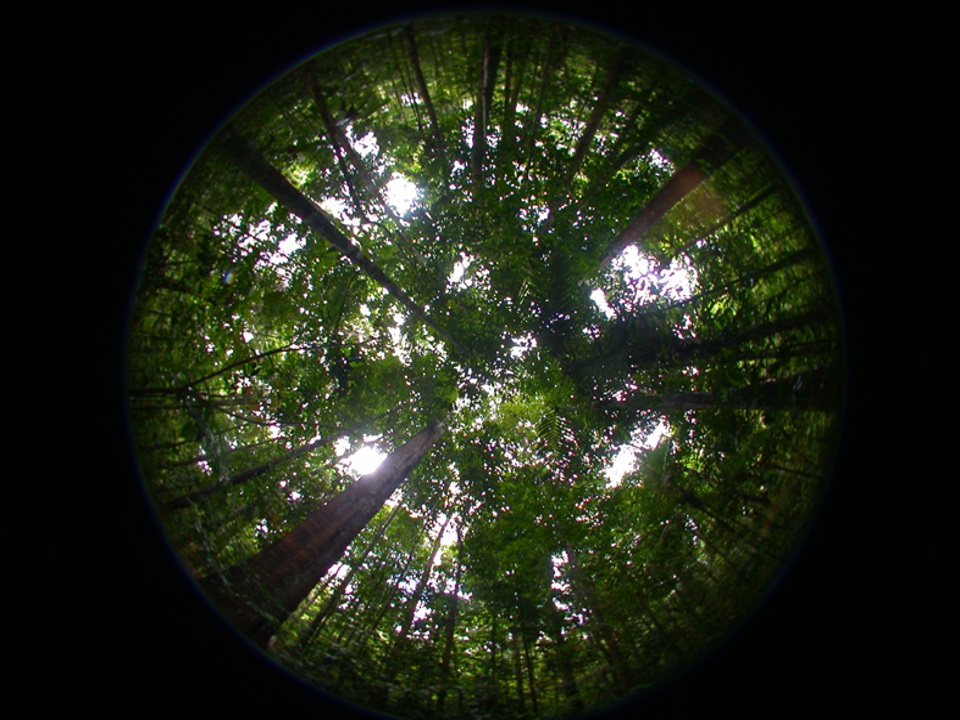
632,449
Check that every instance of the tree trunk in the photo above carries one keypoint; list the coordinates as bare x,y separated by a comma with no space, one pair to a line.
186,387
714,152
564,671
518,669
604,97
639,145
812,390
259,593
489,64
608,641
390,668
371,189
341,143
513,81
638,341
425,94
316,625
546,75
256,167
450,628
336,138
534,702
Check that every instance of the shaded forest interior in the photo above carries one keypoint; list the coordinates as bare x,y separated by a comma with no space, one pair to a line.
598,349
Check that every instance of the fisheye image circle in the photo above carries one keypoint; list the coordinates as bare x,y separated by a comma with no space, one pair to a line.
485,366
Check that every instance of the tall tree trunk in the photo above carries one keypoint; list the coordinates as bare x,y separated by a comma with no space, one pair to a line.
337,139
728,218
546,75
256,357
440,146
494,660
371,189
512,81
341,143
489,64
256,167
534,702
604,98
390,668
450,630
316,625
710,155
391,664
518,669
816,389
639,144
258,594
371,619
562,651
638,340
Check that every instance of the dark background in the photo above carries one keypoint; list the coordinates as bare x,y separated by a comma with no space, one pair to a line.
804,78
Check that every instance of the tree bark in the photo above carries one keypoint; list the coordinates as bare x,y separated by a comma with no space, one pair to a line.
258,594
135,392
391,665
712,153
531,684
546,75
341,144
638,340
316,625
608,641
638,145
518,669
336,138
414,601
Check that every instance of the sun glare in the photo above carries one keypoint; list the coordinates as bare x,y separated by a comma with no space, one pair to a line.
366,460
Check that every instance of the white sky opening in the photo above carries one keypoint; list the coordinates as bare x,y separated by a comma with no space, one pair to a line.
286,247
521,345
657,160
599,297
367,145
362,462
675,282
625,461
457,276
401,193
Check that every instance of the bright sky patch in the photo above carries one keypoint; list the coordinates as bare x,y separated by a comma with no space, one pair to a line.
401,194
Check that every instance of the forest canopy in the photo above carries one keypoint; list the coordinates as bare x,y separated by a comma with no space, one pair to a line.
567,306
